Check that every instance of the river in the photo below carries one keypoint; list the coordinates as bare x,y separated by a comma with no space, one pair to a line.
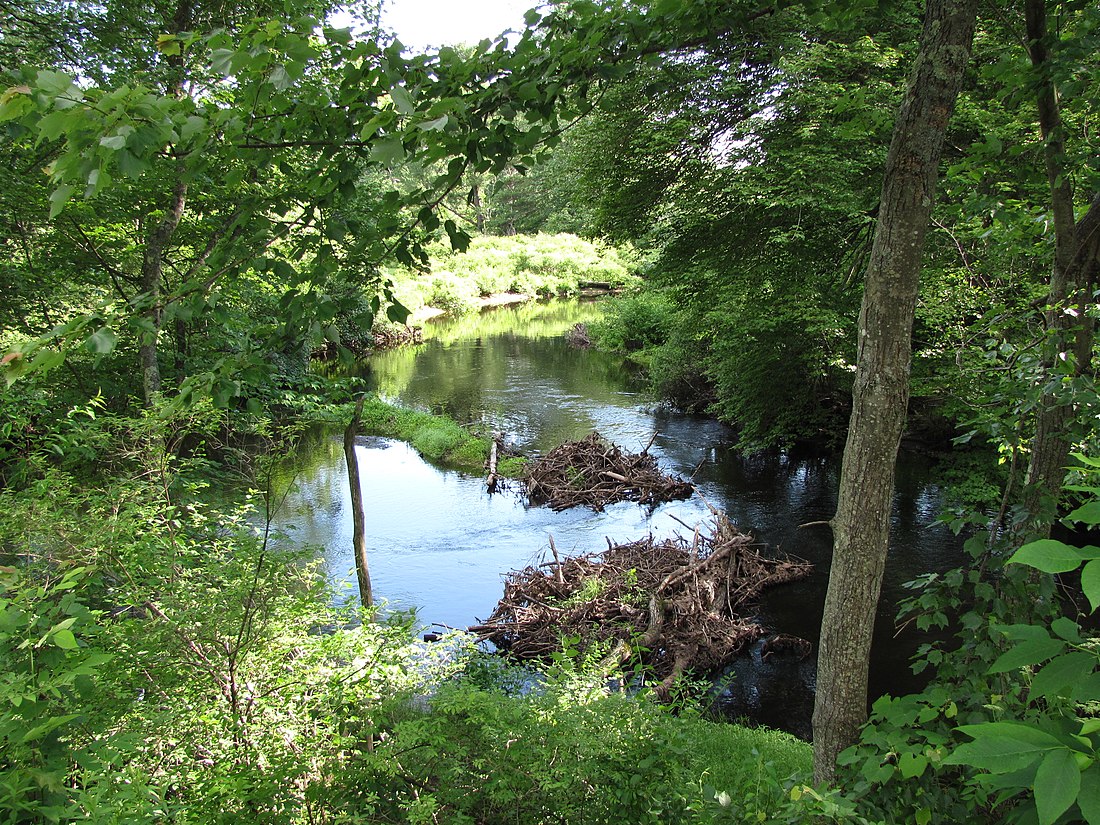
439,543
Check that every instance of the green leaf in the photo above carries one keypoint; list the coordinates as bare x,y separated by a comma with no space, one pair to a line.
65,639
191,127
397,313
1063,672
1088,798
1031,652
388,150
1066,629
912,765
1000,747
53,82
102,341
1088,513
279,78
221,61
1048,555
58,198
46,359
114,142
168,44
1090,583
402,100
436,125
1057,784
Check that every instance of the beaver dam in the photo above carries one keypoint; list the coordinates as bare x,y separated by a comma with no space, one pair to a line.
593,473
671,605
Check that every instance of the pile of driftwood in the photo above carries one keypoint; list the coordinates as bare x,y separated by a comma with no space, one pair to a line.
670,605
595,473
391,337
578,337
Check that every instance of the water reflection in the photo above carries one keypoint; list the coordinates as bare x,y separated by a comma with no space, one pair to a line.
439,543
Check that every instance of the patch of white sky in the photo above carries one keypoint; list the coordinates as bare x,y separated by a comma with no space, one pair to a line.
426,25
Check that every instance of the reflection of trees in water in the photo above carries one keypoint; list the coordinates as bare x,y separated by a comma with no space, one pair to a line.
534,319
512,368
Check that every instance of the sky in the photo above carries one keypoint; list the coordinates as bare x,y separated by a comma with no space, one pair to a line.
420,24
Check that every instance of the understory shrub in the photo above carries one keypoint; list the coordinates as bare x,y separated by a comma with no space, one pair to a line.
633,322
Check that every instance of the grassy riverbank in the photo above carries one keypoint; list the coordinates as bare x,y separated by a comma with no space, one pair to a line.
524,266
436,437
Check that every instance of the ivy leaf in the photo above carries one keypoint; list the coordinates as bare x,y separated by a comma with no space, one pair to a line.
1048,555
1057,783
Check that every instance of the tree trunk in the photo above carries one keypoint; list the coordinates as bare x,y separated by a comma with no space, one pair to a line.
1070,333
358,519
152,267
881,393
475,202
152,261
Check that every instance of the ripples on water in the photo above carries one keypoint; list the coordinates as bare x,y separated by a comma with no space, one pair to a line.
439,543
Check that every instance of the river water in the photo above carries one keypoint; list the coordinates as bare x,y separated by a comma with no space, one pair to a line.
439,543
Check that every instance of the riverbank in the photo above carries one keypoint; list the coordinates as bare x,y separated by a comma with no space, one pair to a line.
496,271
500,299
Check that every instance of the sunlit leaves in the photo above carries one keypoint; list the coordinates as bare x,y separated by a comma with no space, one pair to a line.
1050,556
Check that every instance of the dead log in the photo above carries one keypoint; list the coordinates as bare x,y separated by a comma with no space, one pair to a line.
492,479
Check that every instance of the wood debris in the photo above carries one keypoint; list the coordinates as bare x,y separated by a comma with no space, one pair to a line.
594,473
673,605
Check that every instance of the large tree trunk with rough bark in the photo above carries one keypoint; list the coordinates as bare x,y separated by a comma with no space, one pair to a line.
1070,330
861,526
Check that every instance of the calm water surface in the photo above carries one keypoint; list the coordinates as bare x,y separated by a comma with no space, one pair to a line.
439,543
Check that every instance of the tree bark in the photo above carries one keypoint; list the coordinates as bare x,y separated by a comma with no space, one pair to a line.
861,525
358,519
1070,333
152,268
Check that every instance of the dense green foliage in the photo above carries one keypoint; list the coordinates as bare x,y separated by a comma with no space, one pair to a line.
537,265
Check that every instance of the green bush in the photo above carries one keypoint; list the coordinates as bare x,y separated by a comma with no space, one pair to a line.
638,321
